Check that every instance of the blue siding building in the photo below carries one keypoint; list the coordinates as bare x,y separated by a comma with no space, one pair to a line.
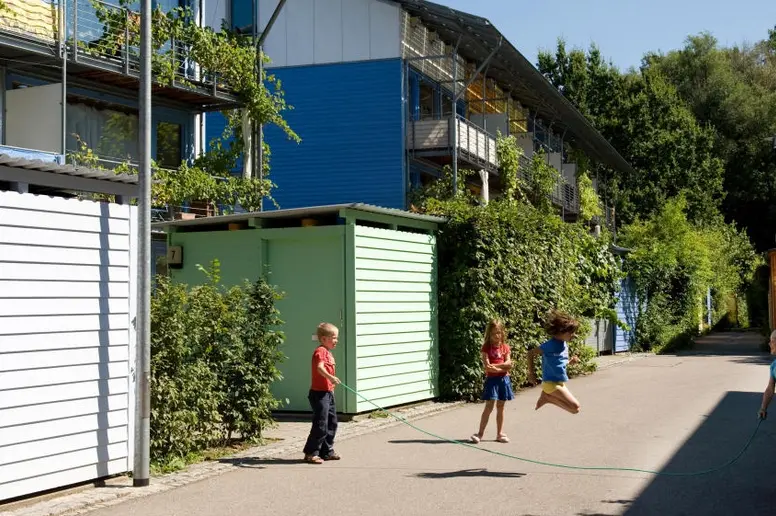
350,119
373,83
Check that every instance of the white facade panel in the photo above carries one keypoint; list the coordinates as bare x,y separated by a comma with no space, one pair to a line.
66,273
33,118
385,30
300,32
355,40
328,31
215,12
331,31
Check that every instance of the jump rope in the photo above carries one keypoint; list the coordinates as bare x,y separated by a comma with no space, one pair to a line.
563,466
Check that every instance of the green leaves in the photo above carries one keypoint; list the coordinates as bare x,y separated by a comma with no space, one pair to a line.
214,355
513,261
674,263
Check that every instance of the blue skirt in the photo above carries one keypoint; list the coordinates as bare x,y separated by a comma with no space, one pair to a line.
497,388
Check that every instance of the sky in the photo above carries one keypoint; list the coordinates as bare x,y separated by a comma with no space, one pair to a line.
623,29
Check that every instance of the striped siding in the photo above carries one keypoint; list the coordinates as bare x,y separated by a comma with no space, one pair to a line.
627,311
350,119
65,346
396,348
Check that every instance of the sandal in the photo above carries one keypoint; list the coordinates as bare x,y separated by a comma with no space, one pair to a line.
502,438
332,456
313,459
475,439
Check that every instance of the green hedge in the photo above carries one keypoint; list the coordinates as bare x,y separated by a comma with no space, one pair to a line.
214,355
674,263
513,261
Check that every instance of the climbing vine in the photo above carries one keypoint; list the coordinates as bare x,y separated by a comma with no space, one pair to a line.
508,154
224,57
589,203
543,180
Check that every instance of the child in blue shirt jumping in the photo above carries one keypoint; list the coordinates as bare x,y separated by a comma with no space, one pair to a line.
555,356
768,394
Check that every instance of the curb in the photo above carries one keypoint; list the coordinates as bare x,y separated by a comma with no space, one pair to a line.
120,490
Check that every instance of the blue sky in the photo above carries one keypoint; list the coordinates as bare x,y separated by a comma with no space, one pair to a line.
623,29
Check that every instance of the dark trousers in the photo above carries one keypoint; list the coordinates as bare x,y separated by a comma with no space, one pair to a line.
321,439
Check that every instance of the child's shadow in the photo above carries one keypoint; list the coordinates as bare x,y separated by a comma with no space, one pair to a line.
256,463
470,473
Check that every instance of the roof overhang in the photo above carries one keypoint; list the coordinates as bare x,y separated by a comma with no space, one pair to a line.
353,210
478,39
66,177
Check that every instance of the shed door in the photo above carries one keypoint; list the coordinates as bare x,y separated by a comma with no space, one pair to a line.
396,321
65,343
307,267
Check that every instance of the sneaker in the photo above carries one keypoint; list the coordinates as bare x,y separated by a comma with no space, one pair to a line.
475,439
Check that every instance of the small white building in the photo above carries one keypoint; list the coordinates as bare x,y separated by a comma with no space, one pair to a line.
67,345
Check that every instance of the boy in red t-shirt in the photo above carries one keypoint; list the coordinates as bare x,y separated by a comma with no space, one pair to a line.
320,442
498,387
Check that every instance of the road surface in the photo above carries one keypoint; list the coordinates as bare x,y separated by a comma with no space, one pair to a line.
670,413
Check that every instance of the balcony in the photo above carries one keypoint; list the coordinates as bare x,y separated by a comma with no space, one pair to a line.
100,45
475,146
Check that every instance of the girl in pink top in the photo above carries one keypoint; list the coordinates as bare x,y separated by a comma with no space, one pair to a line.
497,390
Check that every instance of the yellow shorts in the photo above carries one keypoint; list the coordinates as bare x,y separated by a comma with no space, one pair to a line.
550,387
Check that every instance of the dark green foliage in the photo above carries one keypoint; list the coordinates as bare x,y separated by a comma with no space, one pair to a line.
512,261
214,355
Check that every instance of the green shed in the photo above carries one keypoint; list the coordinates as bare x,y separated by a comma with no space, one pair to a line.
369,270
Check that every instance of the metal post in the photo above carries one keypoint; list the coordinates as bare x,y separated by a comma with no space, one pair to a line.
75,30
63,41
141,472
454,120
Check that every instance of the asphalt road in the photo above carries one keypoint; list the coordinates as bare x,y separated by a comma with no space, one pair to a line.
668,413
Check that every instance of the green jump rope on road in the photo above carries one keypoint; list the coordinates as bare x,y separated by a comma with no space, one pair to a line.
564,466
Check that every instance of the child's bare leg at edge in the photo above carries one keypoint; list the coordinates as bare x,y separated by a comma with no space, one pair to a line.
500,418
486,411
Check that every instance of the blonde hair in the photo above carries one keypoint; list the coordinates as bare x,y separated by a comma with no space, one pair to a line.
773,335
559,323
326,330
493,325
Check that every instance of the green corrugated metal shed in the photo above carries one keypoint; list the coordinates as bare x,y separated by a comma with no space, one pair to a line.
369,270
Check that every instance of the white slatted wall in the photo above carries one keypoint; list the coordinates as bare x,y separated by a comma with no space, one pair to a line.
66,299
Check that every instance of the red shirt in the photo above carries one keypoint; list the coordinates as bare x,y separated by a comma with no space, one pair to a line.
320,382
496,355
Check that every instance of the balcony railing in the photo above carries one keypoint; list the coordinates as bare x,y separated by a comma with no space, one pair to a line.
110,33
564,195
478,147
474,144
104,37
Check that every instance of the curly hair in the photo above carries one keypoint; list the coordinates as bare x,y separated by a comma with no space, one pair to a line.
559,323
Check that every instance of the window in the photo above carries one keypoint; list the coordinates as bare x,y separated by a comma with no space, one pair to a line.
427,101
112,134
168,144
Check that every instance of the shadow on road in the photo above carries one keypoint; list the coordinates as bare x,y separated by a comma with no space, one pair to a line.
745,487
469,473
253,462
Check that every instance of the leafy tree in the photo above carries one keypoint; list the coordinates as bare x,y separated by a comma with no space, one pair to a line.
733,90
644,117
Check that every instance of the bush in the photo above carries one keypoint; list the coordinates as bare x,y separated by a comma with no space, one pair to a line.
513,261
214,355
